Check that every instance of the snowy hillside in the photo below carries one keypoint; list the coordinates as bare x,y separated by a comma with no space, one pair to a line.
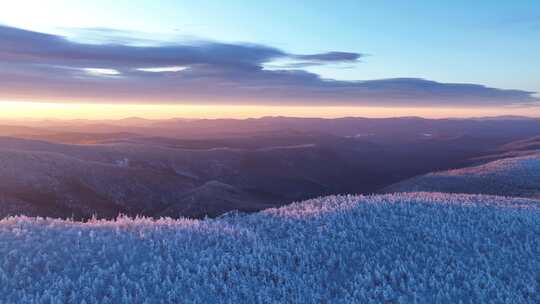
406,248
517,176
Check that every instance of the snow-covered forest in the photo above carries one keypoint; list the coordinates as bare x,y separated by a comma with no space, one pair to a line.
395,248
515,176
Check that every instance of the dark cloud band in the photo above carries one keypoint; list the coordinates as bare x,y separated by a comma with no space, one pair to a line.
33,65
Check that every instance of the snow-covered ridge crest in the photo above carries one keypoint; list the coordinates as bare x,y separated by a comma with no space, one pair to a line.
515,165
397,248
517,176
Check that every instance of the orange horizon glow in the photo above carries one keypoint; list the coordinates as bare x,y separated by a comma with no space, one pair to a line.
43,110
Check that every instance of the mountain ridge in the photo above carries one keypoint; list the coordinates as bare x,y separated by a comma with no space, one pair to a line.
402,248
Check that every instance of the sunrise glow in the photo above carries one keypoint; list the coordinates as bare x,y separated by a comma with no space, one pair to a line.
42,110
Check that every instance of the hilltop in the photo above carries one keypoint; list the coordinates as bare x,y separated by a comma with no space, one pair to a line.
514,176
400,248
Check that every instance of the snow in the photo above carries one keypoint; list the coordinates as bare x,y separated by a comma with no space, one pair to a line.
123,163
516,176
395,248
508,166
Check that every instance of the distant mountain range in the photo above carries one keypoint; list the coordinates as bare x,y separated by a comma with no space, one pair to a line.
209,167
406,128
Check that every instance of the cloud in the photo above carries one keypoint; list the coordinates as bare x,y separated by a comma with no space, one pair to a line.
104,35
34,66
331,57
303,61
170,69
30,47
101,72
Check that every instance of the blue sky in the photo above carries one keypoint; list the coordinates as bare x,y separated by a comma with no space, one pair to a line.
489,43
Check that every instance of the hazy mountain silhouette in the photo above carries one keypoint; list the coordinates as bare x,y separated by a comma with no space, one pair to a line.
55,168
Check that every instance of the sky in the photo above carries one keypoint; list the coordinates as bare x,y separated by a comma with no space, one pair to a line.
253,58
